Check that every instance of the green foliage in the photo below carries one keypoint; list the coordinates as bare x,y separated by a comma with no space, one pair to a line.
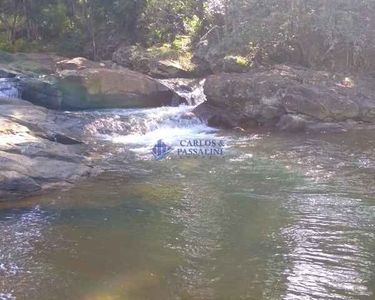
68,26
20,45
4,42
168,52
181,42
81,27
192,25
164,20
54,21
325,29
241,61
70,45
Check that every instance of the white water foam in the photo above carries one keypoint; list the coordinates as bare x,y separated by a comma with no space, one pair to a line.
140,129
7,296
170,124
7,89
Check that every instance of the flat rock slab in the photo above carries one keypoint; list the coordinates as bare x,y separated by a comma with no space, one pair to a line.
31,159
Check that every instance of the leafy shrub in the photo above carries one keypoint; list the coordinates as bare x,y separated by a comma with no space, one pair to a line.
70,44
241,61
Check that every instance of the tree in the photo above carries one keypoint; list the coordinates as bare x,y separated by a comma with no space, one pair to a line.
340,25
9,13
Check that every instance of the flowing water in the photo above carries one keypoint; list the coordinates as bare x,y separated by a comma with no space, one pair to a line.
8,89
280,216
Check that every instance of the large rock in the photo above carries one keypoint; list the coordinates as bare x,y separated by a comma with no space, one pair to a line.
83,84
166,69
106,88
40,92
35,152
78,63
36,91
268,96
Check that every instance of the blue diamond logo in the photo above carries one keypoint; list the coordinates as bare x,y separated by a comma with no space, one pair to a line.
161,150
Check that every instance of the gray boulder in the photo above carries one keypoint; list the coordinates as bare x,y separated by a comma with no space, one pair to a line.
40,92
36,154
287,98
107,88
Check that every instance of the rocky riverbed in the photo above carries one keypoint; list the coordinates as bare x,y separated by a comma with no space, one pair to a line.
43,147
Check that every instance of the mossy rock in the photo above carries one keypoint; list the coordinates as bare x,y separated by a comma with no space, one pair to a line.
235,64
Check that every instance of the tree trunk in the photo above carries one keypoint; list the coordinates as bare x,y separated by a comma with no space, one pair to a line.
87,11
6,25
27,19
14,24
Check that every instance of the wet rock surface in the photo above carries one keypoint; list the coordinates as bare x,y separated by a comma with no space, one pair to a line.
287,98
106,88
36,152
82,84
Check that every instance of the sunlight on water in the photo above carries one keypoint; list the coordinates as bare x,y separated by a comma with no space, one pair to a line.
7,89
281,216
18,240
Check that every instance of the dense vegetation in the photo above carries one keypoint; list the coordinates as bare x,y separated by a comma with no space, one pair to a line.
68,26
310,32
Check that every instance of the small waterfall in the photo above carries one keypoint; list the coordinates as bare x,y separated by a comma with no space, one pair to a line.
190,89
141,125
141,128
8,88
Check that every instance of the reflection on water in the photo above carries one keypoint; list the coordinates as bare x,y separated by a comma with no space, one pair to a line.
21,232
281,217
330,254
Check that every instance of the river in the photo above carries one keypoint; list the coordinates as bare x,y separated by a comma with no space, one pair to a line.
279,216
